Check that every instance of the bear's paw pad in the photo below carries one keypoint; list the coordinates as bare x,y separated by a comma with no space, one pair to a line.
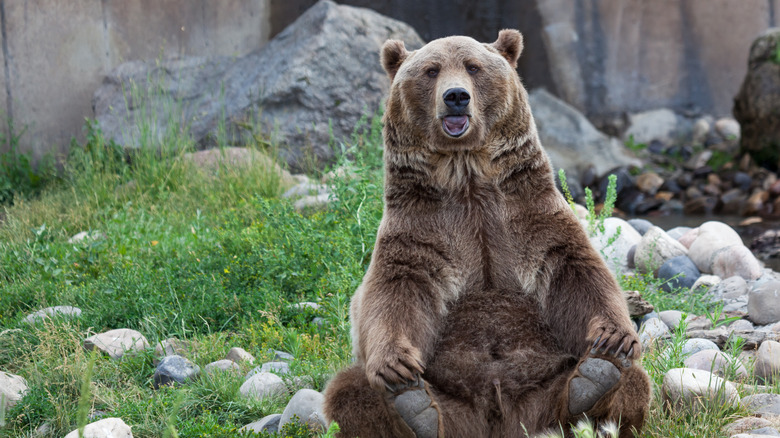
597,376
416,408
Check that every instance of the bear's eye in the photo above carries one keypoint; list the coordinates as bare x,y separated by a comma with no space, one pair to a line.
432,72
472,69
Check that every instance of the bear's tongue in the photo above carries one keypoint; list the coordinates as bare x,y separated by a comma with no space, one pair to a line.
455,125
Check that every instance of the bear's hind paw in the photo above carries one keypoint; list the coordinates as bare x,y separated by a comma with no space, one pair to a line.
418,409
596,378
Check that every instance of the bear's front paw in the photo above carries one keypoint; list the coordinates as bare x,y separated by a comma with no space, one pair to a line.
393,366
609,338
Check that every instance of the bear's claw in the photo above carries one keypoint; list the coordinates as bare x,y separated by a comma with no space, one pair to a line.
597,376
416,407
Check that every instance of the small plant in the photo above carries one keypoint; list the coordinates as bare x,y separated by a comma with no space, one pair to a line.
718,318
634,146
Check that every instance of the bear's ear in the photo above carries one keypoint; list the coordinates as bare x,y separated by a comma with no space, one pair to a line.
393,55
509,44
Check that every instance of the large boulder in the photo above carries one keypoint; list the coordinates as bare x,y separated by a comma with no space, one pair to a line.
320,75
757,105
571,141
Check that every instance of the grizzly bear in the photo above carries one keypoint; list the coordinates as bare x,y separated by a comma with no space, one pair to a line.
484,312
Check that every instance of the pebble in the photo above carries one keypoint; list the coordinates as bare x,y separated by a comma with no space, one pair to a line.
105,428
764,303
729,288
768,360
239,355
174,369
56,311
655,248
695,345
651,330
679,273
222,365
688,389
306,404
12,388
705,283
269,423
736,260
716,362
649,182
117,342
672,318
275,367
741,325
262,385
640,225
712,236
728,128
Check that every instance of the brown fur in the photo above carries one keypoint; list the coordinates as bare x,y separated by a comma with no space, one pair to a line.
482,280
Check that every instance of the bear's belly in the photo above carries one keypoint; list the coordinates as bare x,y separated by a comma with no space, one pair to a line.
493,342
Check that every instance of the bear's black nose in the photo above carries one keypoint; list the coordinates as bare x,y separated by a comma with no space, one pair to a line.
457,98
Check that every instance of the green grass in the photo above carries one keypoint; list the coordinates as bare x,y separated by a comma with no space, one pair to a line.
212,257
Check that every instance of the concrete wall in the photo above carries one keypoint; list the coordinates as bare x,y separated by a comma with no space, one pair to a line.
55,53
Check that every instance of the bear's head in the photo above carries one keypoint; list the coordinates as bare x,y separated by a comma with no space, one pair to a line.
453,91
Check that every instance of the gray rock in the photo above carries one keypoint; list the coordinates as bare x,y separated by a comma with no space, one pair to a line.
568,137
695,345
170,347
672,318
281,355
736,260
222,365
306,189
764,303
269,423
319,75
306,404
766,431
640,225
677,232
678,273
655,248
85,236
118,342
706,283
661,124
105,428
712,236
174,369
746,424
275,367
727,128
263,385
741,325
716,362
729,288
50,312
767,364
616,252
688,390
239,355
313,202
652,330
12,388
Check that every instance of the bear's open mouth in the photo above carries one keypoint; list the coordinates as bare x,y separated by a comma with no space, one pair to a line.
455,125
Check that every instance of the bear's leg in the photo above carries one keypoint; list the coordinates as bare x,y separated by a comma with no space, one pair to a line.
408,411
607,389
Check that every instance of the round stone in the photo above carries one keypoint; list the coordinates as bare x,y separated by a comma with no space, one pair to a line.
655,248
653,329
50,312
717,363
105,428
174,369
239,355
263,385
640,225
306,404
12,388
613,249
688,389
767,363
118,342
736,260
269,423
712,236
695,345
764,303
679,273
222,365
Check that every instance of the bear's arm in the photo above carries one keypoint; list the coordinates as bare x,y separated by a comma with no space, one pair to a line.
403,301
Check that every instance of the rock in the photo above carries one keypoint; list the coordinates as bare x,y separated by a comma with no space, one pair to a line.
275,367
764,432
306,404
727,128
117,342
174,369
660,124
736,260
705,283
170,347
702,205
757,401
269,423
239,355
716,362
306,189
306,305
281,355
218,159
677,232
764,303
700,130
105,428
699,161
616,254
649,182
652,330
317,76
688,389
695,345
712,236
655,248
637,306
734,202
767,244
730,288
757,104
640,225
687,238
768,360
222,365
679,273
672,318
313,202
746,424
12,388
568,137
50,312
84,236
262,385
741,325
